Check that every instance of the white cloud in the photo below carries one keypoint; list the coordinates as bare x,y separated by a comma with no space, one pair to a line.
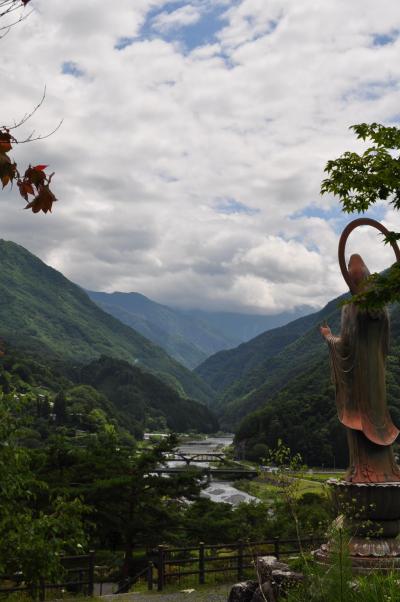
181,17
154,137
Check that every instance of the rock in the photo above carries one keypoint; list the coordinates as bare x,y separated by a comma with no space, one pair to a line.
266,564
284,580
243,592
264,593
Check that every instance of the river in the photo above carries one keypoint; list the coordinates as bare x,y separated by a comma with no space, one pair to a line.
218,491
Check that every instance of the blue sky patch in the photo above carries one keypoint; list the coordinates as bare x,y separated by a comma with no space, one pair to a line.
337,217
71,68
124,42
370,91
191,35
383,39
230,206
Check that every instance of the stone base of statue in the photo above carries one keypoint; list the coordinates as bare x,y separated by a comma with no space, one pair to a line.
371,513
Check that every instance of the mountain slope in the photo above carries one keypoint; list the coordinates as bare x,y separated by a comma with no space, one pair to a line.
240,370
186,338
248,377
240,327
129,398
141,395
190,336
41,310
303,412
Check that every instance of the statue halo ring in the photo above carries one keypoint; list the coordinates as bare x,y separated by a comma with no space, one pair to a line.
361,221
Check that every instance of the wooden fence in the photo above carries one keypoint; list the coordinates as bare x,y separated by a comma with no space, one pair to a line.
78,579
171,564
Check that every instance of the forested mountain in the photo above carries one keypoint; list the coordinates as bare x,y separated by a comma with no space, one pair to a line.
188,339
303,413
243,327
41,310
246,377
190,336
141,394
105,390
278,386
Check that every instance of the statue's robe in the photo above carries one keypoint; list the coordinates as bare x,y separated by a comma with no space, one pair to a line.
358,359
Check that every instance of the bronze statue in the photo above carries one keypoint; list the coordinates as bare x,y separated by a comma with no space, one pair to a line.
368,499
358,368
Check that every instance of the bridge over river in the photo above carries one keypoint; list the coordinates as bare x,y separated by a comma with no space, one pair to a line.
188,458
208,455
230,473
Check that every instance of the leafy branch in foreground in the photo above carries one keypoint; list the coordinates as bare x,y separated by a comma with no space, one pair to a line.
361,180
34,182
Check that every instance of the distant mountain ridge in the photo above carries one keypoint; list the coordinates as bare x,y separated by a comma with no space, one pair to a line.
190,336
248,377
42,311
187,339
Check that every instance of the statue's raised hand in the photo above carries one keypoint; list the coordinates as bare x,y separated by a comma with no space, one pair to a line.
325,330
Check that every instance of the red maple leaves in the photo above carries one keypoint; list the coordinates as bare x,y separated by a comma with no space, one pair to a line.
34,182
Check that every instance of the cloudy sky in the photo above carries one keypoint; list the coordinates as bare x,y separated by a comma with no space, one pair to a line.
194,139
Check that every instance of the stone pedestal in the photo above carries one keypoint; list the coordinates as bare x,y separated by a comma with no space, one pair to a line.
371,514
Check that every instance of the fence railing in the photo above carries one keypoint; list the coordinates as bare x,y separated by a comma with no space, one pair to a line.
78,579
168,564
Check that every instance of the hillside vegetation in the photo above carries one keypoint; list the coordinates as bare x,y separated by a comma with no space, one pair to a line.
42,311
278,387
105,390
246,377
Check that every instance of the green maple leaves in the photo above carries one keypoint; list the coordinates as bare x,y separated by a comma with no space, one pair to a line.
359,181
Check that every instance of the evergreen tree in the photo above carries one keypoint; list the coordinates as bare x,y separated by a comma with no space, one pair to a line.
60,408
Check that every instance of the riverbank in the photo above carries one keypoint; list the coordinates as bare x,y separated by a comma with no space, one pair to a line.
267,486
222,491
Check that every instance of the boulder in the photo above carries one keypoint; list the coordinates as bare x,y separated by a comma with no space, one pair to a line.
282,581
243,592
264,593
266,564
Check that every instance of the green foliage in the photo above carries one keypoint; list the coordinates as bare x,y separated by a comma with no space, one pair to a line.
142,396
290,396
359,181
256,371
43,312
36,527
110,391
337,583
303,415
131,505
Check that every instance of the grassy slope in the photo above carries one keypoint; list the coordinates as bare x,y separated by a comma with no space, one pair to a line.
41,310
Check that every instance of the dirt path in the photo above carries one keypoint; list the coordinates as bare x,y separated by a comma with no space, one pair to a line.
216,594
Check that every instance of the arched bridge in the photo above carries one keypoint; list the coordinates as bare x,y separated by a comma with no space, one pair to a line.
198,457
